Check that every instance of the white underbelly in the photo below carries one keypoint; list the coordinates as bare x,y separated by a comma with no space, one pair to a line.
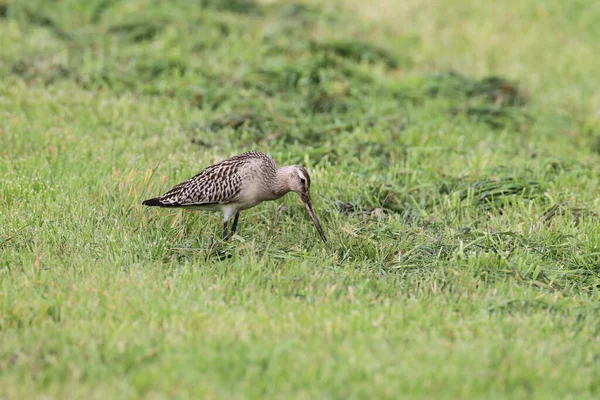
205,207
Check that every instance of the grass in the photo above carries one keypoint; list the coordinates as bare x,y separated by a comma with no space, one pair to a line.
454,156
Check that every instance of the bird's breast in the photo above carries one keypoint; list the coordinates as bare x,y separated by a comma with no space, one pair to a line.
253,193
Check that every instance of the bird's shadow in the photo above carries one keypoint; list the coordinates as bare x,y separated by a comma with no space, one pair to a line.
210,248
220,255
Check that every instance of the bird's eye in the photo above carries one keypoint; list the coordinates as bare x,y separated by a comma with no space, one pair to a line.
302,180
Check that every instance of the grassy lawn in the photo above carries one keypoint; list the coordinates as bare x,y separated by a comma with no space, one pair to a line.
454,149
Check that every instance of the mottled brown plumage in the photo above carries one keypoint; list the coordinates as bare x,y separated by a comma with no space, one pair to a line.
239,183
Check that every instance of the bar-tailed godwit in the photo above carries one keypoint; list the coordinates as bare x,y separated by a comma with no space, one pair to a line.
239,183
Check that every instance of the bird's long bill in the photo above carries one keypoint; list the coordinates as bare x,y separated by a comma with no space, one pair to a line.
313,216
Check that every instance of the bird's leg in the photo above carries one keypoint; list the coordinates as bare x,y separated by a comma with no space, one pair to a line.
225,234
227,214
235,221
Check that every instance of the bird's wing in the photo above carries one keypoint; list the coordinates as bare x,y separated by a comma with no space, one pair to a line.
217,184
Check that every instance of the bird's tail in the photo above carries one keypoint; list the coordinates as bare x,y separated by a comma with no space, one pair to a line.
153,202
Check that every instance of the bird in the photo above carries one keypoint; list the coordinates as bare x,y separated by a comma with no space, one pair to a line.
237,184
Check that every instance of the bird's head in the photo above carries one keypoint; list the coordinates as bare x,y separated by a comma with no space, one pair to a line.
299,182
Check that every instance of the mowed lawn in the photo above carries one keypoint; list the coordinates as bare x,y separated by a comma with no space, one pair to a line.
454,150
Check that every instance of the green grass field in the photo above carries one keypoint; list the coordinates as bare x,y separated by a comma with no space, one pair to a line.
454,150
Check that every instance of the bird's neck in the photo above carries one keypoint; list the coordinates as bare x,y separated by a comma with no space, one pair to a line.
281,184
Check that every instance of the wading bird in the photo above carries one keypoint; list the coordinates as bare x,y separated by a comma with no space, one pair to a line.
239,183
